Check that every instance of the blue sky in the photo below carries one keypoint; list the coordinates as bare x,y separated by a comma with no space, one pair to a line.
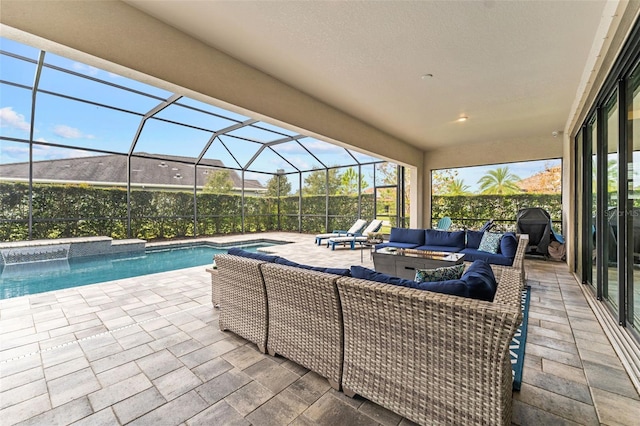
77,124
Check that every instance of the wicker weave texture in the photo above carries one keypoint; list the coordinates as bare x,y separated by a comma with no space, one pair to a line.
305,318
243,298
433,358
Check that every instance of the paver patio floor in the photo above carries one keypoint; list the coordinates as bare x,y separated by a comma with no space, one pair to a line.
148,350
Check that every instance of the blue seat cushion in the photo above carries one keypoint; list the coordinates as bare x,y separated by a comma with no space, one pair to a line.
434,237
478,282
235,251
335,271
408,236
473,239
396,244
509,245
497,259
440,248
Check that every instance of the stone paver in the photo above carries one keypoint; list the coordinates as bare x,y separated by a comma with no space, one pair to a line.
147,350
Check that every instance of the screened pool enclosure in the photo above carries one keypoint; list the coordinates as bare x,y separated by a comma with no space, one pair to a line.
87,152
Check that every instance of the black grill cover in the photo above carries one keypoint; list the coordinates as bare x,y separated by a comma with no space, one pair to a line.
537,223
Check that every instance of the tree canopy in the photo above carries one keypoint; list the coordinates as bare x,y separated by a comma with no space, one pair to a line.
278,185
499,181
219,182
316,182
457,187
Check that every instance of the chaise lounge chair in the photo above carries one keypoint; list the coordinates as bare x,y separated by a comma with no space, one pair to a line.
374,226
357,227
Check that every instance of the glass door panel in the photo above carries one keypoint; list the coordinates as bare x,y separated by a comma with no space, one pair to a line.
592,135
633,127
581,235
612,271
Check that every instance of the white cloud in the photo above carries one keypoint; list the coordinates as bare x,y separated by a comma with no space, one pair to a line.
10,118
86,69
323,146
41,140
68,132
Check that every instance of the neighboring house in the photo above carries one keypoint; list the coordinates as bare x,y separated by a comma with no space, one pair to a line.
548,181
164,172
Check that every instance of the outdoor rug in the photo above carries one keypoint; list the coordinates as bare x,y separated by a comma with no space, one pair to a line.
516,348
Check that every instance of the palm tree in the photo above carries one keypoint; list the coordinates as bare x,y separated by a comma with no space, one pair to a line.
457,187
499,182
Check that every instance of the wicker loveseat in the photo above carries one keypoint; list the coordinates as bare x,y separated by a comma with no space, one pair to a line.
430,357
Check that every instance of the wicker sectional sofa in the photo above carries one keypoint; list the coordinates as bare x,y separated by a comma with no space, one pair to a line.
430,357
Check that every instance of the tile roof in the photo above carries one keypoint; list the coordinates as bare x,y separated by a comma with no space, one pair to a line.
161,170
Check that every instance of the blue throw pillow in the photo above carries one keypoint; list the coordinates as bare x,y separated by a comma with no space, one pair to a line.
474,238
403,235
480,280
509,244
258,256
490,242
433,237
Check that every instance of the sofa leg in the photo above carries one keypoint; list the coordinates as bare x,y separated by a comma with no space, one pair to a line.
261,348
272,352
348,392
334,384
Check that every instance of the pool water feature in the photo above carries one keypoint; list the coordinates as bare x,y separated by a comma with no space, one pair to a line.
38,277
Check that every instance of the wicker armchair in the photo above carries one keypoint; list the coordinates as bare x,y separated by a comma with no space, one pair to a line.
433,358
305,319
243,298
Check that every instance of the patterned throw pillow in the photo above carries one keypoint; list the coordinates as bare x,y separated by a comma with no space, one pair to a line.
490,242
444,273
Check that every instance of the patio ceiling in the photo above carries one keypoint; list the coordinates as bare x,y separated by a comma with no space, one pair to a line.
514,69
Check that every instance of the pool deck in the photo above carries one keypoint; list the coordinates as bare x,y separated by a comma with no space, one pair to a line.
147,350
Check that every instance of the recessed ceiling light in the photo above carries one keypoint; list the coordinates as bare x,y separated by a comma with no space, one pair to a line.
462,118
426,76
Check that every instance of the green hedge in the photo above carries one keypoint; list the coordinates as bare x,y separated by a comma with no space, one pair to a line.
61,211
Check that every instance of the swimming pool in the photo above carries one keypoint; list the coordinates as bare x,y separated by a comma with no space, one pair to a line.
38,277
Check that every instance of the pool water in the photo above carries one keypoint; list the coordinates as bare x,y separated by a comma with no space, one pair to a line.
38,277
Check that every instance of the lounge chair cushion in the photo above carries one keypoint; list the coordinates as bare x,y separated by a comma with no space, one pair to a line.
444,273
235,251
335,271
407,236
490,242
433,237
